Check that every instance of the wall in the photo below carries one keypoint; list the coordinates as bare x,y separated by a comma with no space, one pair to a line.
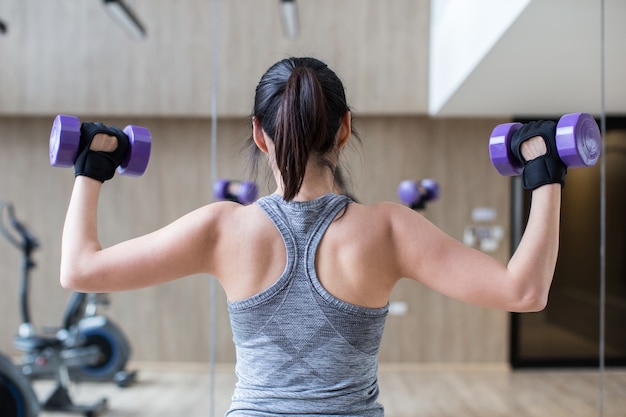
70,57
171,322
65,56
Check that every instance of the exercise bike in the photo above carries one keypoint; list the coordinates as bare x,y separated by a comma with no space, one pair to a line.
98,330
17,398
86,347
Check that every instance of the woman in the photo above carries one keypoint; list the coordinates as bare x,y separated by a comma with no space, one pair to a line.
309,297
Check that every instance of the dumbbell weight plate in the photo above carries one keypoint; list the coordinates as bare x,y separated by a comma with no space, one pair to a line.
500,151
578,140
244,192
432,188
64,140
138,155
220,189
247,192
409,192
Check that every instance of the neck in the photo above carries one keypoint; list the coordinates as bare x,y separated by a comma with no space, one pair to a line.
318,181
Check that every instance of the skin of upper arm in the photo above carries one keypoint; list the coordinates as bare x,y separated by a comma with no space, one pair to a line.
182,248
426,254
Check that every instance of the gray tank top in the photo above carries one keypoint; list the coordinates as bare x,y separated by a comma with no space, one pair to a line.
300,350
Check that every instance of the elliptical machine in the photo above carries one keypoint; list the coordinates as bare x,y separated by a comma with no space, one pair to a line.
86,346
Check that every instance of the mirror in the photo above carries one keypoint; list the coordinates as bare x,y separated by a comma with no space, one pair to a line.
582,325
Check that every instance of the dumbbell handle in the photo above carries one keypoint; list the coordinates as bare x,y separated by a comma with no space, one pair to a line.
413,192
533,148
102,142
234,188
244,192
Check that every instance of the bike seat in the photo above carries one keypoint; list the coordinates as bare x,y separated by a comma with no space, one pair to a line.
35,343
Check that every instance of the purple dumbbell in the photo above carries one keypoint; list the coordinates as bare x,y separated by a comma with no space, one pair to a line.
578,142
65,141
244,192
416,193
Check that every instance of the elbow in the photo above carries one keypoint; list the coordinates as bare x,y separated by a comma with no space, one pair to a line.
71,279
531,300
68,285
79,269
534,306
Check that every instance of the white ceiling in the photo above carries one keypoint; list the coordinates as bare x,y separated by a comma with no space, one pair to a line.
549,61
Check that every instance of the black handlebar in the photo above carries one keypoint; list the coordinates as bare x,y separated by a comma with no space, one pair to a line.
26,241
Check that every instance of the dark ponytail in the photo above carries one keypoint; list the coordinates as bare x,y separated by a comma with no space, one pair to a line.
300,103
300,127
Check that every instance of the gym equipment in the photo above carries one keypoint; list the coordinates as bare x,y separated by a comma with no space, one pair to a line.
80,319
415,194
97,330
17,397
65,141
87,346
243,192
578,142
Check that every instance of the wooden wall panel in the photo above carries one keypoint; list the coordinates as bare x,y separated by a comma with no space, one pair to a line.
70,56
171,322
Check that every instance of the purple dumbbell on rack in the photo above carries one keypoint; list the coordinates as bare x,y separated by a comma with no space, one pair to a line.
244,192
578,142
415,194
65,141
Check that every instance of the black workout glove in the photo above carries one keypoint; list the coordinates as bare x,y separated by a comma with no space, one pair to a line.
545,169
99,165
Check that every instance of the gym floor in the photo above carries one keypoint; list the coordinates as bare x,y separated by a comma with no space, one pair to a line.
406,391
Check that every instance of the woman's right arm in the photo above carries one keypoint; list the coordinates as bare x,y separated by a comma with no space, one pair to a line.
182,248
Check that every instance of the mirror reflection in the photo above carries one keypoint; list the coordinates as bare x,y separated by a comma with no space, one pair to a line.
418,120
